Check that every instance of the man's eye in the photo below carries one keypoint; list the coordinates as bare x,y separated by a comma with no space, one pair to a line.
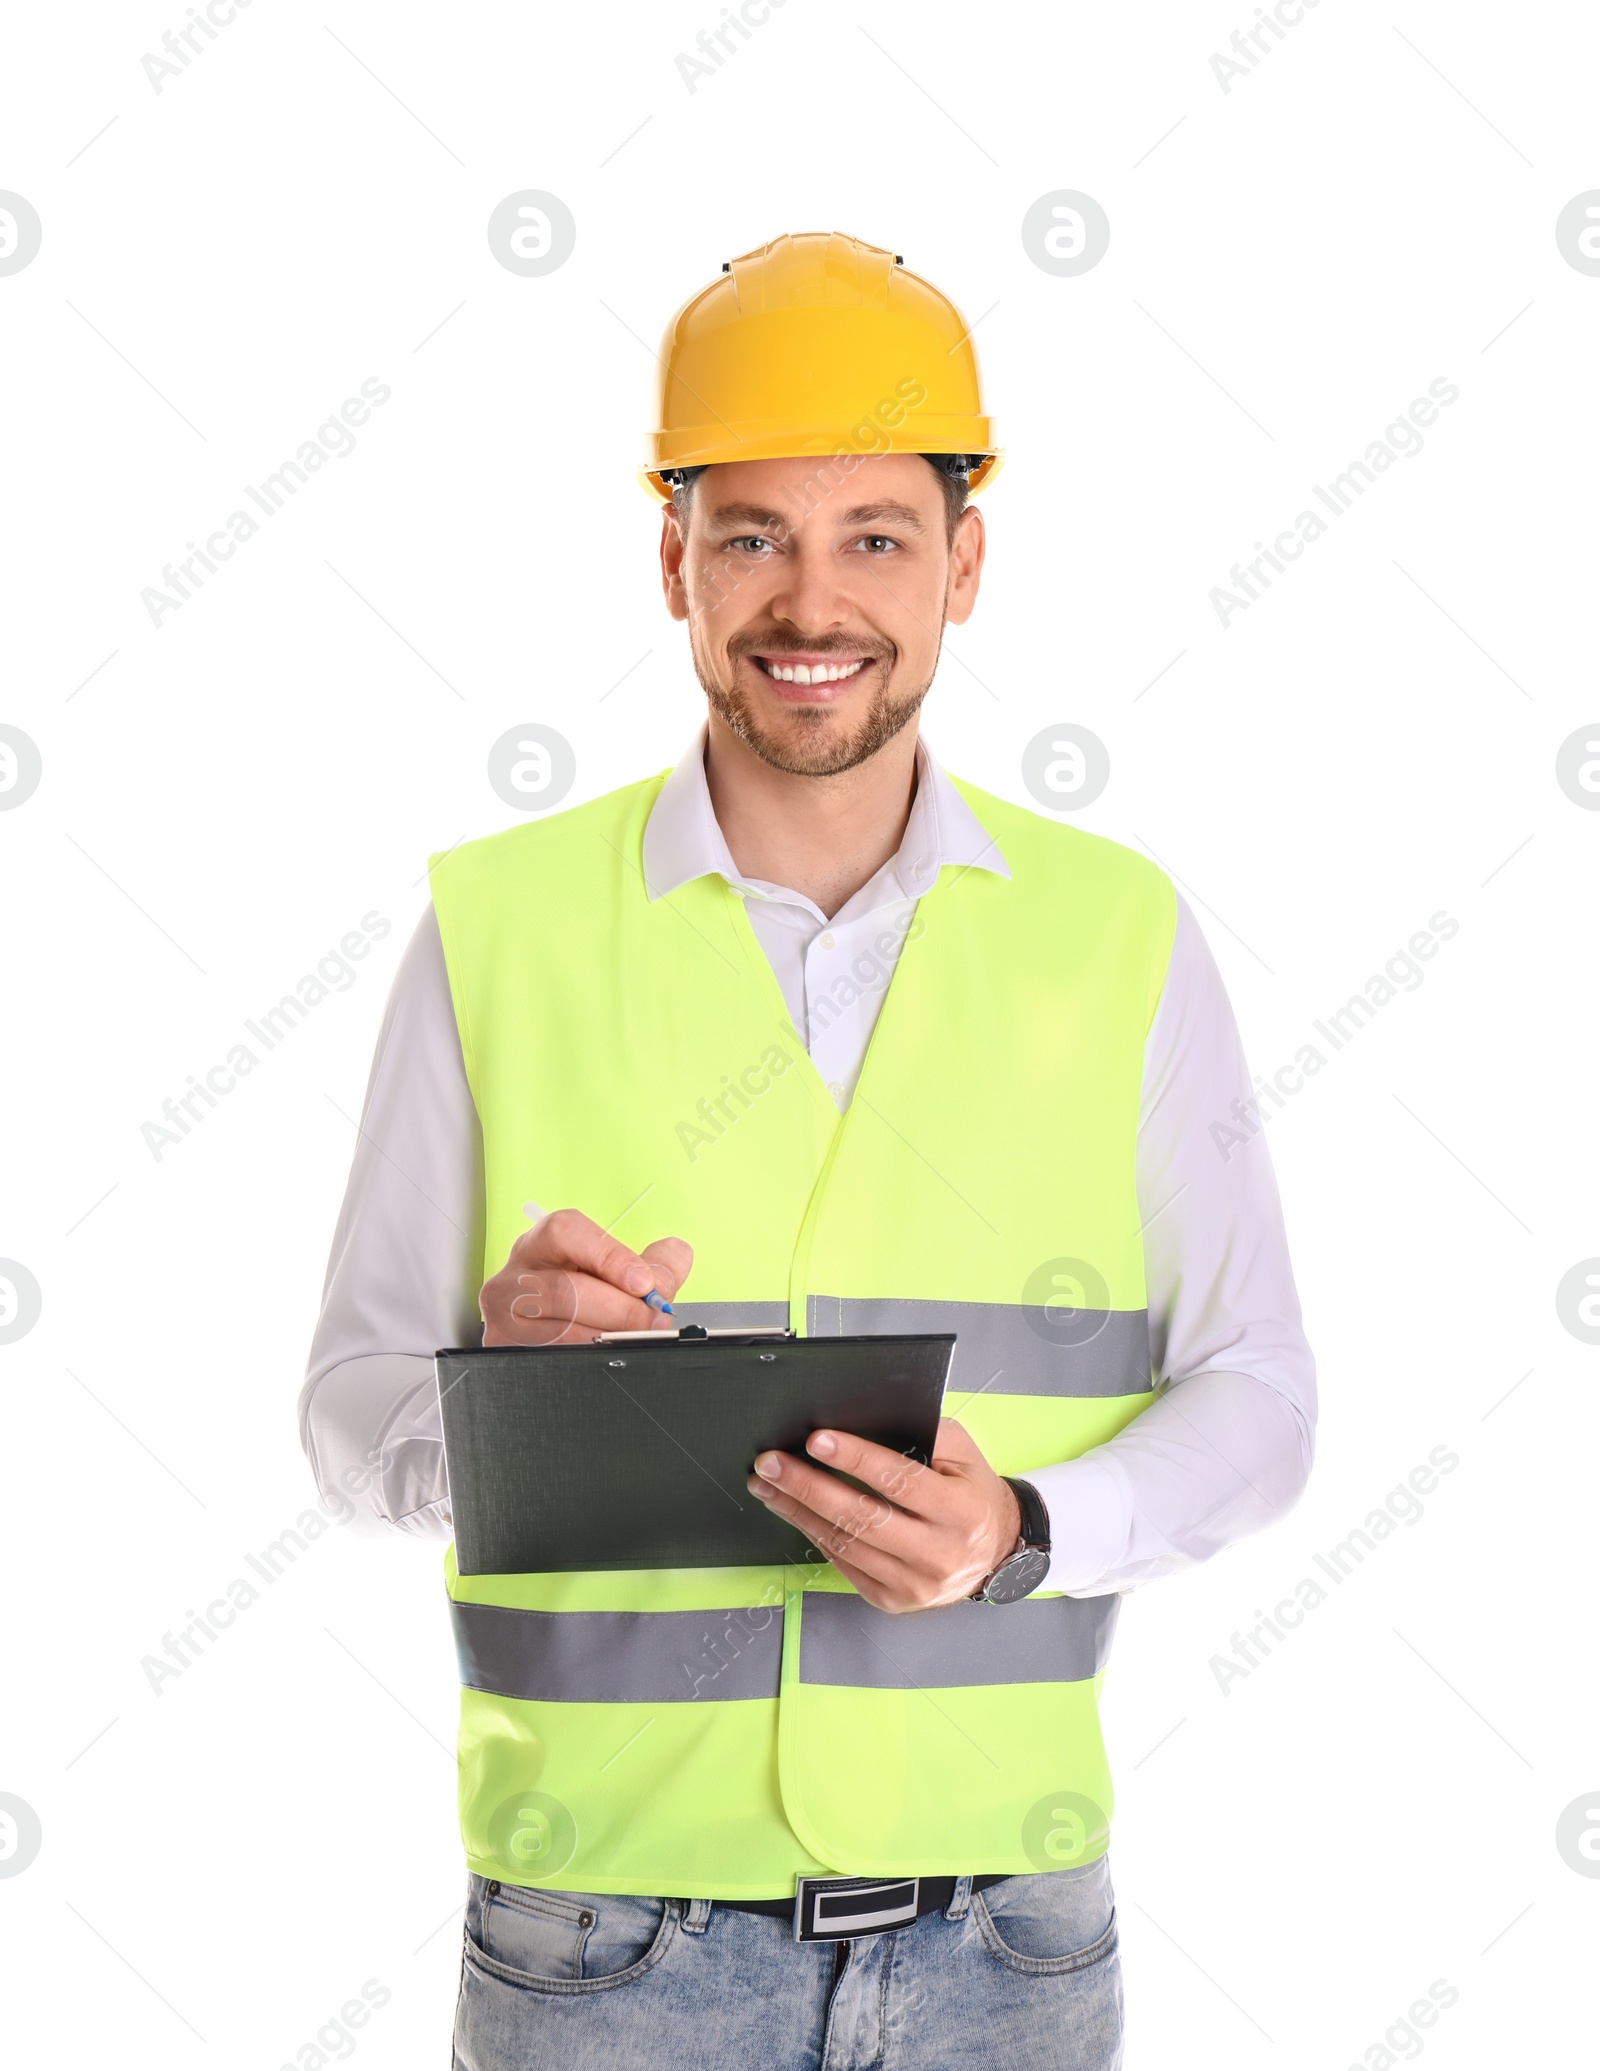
753,542
877,543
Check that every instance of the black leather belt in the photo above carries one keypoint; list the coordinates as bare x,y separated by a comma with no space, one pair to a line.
841,1909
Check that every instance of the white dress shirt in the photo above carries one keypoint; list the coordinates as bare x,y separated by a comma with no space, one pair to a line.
1225,1447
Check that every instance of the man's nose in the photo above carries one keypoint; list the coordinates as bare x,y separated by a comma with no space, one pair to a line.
809,595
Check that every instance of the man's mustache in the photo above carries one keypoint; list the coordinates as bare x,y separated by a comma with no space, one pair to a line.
778,644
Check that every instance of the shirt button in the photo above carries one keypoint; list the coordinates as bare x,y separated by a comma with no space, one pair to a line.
837,1091
825,941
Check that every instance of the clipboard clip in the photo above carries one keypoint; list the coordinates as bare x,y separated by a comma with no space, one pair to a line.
748,1332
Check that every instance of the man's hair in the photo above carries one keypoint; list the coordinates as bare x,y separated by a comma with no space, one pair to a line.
951,468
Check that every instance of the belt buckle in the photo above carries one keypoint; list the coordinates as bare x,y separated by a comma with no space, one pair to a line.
841,1909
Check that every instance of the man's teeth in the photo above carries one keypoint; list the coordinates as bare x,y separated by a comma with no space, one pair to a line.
822,672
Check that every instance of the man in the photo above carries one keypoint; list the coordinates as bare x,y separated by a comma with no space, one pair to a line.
818,1035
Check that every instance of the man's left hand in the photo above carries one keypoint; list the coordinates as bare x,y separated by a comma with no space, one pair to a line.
927,1535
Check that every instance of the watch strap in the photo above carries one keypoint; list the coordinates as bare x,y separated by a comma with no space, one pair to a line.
1035,1517
1034,1537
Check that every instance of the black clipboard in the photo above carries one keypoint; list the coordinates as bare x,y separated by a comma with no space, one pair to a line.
634,1453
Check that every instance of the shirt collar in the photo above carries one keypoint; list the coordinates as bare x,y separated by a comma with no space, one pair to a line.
682,839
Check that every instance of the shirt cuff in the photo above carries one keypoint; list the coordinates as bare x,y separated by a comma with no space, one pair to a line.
1090,1503
370,1425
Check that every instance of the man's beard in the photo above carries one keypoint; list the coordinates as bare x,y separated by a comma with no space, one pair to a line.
819,751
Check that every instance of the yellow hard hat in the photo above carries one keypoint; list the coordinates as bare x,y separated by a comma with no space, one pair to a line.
817,344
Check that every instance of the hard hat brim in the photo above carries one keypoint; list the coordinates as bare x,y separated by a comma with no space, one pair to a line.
652,481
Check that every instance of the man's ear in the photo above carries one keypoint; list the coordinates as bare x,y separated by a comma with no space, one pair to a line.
966,566
673,546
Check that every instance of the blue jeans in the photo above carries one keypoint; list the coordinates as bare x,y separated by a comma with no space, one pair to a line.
1024,1974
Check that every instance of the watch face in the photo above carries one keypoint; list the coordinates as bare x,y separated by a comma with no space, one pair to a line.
1018,1577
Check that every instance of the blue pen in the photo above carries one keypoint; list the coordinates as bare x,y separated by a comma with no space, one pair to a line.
653,1301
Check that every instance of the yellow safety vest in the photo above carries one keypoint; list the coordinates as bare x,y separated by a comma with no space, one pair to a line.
716,1732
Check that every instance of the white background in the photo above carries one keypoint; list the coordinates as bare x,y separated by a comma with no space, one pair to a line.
1372,1809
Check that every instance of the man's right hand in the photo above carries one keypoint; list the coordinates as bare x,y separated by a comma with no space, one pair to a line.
566,1280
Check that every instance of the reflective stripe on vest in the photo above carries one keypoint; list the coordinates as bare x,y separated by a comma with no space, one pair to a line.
1051,1639
619,1657
717,1732
1018,1349
666,1657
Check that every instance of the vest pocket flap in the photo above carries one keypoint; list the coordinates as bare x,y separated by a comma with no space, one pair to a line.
942,1742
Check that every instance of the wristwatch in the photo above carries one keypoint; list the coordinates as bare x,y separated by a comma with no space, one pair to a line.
1022,1572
